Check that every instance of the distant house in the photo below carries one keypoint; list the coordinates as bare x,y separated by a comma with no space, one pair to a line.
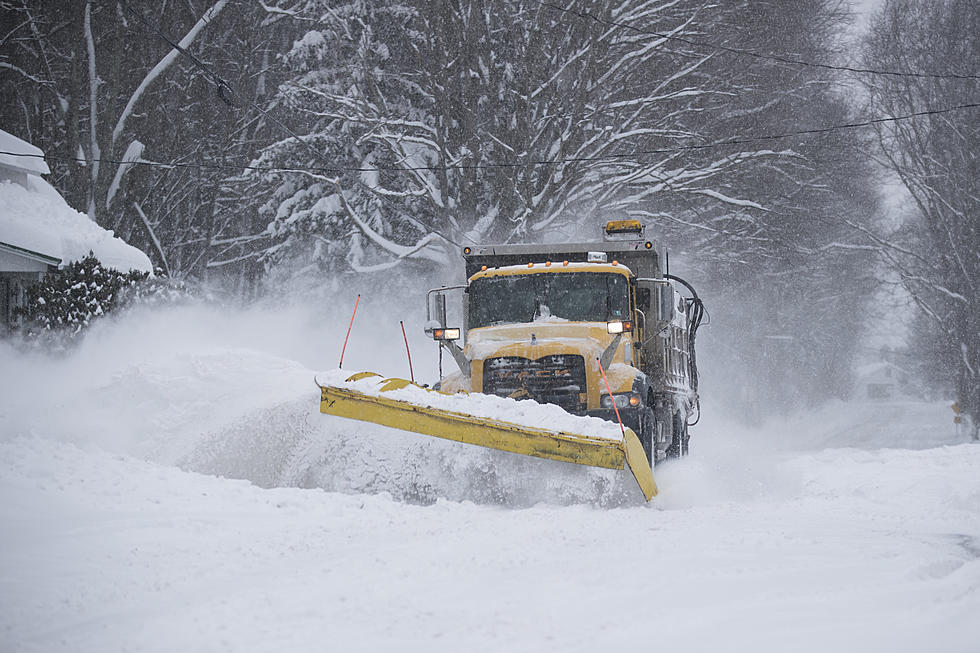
40,233
881,381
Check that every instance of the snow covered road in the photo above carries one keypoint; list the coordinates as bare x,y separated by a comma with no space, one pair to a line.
817,533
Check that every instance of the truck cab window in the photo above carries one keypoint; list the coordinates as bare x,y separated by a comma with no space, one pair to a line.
573,296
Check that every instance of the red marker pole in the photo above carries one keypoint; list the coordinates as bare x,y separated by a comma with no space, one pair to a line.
611,398
407,351
341,364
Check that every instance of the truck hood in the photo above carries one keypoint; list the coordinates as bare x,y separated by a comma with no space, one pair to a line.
587,339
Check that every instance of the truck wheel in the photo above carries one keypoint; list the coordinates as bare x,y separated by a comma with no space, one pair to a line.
678,442
647,435
681,435
684,435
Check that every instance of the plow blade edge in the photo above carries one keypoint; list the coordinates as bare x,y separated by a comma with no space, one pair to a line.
488,432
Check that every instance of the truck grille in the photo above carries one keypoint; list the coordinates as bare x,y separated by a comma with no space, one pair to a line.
558,379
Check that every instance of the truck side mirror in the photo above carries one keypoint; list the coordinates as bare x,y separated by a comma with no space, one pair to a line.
665,296
643,299
435,313
436,310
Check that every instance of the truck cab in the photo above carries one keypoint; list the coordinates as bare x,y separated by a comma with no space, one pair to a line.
595,328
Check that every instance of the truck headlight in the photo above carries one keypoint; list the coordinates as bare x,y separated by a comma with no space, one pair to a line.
619,326
622,400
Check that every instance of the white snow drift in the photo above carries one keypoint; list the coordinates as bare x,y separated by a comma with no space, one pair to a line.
171,486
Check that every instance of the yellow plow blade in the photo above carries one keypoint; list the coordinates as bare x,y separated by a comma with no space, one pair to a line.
487,432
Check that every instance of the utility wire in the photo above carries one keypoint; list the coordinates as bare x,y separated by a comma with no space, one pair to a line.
752,53
615,156
224,87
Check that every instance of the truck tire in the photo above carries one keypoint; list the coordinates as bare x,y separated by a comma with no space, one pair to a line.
647,435
680,433
684,436
679,439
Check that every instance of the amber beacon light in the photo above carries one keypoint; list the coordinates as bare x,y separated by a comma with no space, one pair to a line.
624,227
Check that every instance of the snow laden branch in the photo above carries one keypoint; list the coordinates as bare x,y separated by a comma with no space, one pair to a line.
133,154
162,65
427,247
93,84
481,125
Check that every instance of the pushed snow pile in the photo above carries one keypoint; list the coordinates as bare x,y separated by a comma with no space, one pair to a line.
523,413
293,445
206,399
39,219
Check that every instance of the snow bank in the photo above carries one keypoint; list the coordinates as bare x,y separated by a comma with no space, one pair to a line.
102,552
113,541
866,424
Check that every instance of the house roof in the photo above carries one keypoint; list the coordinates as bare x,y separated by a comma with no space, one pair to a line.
26,253
37,219
33,164
873,369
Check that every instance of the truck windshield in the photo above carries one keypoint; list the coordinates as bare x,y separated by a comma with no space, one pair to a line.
575,296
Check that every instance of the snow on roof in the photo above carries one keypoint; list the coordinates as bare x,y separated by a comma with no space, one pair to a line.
554,266
39,219
31,164
873,369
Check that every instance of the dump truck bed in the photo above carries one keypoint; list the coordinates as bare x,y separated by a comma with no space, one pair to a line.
644,257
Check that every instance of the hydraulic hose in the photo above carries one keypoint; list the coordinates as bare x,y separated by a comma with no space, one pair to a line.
698,313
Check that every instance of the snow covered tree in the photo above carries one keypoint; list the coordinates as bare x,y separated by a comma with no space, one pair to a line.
100,91
425,127
439,126
774,253
99,74
936,158
491,121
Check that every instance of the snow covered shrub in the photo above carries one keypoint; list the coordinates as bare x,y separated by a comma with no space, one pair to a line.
62,305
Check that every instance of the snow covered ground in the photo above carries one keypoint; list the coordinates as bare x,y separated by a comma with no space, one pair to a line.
171,486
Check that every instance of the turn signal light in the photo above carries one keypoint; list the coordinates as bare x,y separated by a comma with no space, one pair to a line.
445,334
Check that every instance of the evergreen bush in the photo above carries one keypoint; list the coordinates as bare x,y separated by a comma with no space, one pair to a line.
62,305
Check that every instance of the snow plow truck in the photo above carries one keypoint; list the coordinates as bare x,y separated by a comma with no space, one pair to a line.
597,329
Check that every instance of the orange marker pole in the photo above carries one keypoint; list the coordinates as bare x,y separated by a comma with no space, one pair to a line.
611,398
341,364
408,351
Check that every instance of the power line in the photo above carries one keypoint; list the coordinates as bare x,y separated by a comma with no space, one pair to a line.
224,86
752,53
614,156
